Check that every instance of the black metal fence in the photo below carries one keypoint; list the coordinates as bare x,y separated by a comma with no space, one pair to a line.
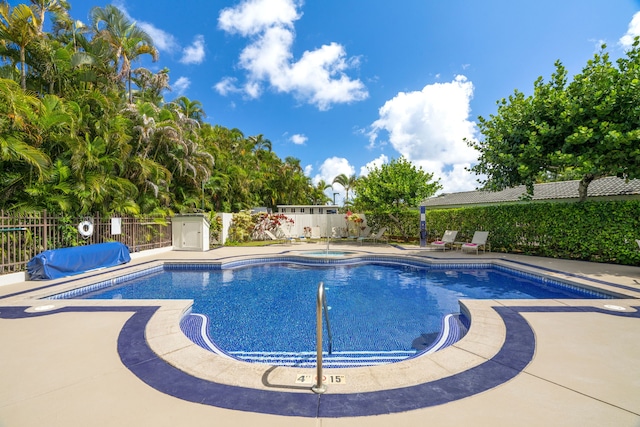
22,236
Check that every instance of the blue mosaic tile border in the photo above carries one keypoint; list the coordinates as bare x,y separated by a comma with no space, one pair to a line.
555,282
423,264
301,260
73,293
192,266
353,260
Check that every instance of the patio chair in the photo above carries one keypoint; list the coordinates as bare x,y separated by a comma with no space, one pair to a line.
447,240
375,237
291,238
479,239
272,236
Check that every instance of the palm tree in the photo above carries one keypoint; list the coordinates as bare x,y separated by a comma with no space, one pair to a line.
260,143
127,40
57,7
18,128
18,27
150,85
191,109
347,182
318,195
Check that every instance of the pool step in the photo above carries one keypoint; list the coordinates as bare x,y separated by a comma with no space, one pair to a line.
454,327
337,359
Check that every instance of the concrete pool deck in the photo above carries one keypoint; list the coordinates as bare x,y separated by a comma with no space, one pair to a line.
570,362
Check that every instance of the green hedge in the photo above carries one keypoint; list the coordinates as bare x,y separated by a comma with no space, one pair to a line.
403,225
590,231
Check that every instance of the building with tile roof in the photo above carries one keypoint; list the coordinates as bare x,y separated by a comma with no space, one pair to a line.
608,188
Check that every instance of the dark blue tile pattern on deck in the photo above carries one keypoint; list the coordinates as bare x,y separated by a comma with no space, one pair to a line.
516,353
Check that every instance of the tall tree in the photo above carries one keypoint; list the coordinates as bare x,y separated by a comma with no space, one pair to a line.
318,196
57,7
589,127
20,156
347,182
391,191
127,40
19,27
394,187
191,109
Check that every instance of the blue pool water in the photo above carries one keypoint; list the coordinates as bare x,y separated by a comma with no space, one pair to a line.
270,308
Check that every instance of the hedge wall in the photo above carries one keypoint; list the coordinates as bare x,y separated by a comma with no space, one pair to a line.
590,231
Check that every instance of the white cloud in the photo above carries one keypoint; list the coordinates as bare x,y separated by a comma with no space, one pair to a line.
427,127
298,139
633,31
376,163
252,90
194,54
308,170
331,168
162,40
181,85
318,77
254,16
226,86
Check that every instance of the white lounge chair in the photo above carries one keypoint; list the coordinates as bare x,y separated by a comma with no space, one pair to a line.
375,237
290,237
271,236
447,240
479,239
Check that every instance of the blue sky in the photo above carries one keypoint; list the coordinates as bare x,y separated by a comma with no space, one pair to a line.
343,85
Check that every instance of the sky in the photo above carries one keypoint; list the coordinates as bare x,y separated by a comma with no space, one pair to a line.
345,86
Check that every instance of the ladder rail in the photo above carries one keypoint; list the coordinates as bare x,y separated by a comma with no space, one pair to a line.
321,306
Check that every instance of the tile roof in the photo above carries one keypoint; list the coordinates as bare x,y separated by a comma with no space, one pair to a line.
603,187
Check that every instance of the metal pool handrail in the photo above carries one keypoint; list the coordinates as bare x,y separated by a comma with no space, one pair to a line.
321,305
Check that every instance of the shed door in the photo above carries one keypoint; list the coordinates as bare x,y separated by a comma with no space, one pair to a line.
191,235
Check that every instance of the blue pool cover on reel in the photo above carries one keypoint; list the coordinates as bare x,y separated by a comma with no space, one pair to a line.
57,263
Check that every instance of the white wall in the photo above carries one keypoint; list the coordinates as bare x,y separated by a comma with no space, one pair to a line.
327,224
226,222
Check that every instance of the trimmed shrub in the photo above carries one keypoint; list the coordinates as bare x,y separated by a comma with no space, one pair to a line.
589,231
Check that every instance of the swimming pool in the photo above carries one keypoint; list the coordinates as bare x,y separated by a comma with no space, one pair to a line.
380,312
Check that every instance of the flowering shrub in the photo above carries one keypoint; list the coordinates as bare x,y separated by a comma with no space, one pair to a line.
271,223
245,226
356,221
240,227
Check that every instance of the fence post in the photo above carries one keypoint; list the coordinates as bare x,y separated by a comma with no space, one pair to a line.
45,229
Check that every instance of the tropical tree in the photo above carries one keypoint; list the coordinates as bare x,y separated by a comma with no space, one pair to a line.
260,143
18,27
589,127
21,159
347,182
391,193
59,8
318,195
127,40
394,186
190,109
150,85
85,141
